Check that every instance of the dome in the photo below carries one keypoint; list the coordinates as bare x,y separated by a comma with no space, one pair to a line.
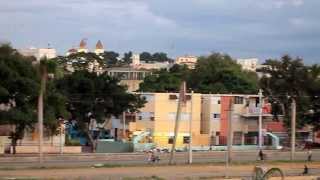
99,45
83,44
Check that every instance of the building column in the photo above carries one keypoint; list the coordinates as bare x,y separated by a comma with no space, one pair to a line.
242,138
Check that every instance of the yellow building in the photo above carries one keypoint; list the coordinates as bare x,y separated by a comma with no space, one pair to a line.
158,118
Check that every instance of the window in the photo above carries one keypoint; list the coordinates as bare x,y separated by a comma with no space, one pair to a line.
151,118
215,100
238,100
215,116
186,139
140,117
170,140
218,133
173,97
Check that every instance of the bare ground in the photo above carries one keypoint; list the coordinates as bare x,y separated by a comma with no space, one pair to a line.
165,172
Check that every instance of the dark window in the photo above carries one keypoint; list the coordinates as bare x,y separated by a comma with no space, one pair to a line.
219,102
217,133
188,97
140,117
186,139
173,97
170,140
151,118
238,100
216,116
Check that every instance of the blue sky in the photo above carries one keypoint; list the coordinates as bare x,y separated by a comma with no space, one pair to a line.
241,28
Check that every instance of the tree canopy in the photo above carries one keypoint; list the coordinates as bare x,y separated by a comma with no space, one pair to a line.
287,79
216,73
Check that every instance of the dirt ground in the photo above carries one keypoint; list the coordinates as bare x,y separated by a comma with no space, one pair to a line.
159,172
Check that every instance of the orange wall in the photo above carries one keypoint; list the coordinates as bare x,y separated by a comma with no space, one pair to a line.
225,106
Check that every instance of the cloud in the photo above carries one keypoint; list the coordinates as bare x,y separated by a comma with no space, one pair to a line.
262,28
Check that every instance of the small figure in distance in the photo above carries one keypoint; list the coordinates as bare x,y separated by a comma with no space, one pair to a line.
261,155
305,170
309,155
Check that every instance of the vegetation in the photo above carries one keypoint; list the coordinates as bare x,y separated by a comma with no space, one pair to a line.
19,92
99,96
216,73
289,79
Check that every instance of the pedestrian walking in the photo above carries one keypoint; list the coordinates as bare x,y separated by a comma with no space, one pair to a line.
261,155
305,170
309,155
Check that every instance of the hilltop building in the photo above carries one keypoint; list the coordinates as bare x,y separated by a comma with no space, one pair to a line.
137,64
39,53
249,64
190,61
99,49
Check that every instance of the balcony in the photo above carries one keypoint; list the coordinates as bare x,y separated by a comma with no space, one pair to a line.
253,110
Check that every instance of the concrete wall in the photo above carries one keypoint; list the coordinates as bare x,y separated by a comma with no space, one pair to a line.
47,149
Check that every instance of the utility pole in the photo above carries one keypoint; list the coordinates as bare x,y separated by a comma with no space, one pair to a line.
260,119
178,116
190,129
293,127
230,138
40,111
124,125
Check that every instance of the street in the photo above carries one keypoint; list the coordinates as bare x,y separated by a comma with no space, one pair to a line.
85,160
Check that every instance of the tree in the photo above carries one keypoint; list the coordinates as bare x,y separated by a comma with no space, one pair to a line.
110,57
216,73
219,73
18,92
165,81
100,96
146,57
284,81
127,57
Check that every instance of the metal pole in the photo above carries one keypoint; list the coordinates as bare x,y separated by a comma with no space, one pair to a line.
190,130
124,125
230,138
260,119
61,143
293,127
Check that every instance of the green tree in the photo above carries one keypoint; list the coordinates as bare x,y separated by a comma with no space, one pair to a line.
219,73
165,81
101,96
110,58
216,73
286,80
18,92
127,57
145,56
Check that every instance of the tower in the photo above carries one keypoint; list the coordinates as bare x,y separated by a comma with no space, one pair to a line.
83,46
135,59
99,48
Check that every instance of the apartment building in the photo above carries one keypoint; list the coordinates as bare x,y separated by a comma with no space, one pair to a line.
157,120
216,112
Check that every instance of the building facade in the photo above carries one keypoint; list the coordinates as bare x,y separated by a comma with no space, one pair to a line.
128,76
249,64
39,53
190,61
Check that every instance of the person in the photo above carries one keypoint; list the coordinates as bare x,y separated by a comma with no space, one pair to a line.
305,170
309,155
261,155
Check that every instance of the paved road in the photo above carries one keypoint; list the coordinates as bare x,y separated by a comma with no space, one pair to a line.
65,160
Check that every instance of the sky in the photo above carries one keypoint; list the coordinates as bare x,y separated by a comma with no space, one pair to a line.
241,28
